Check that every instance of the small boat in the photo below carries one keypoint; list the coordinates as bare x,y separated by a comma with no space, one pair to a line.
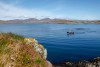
70,32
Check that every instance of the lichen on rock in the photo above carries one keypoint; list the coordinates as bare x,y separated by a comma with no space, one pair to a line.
38,47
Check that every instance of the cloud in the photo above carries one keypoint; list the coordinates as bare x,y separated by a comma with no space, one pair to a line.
13,9
10,11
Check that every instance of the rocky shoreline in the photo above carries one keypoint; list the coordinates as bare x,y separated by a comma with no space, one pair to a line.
83,63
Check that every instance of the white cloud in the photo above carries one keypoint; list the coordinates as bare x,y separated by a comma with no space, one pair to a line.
10,11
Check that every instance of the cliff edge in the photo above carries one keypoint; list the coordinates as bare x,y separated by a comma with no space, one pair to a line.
17,51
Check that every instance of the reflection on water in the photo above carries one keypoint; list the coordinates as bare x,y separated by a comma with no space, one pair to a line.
82,28
83,44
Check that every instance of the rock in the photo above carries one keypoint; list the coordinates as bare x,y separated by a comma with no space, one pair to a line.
48,64
38,47
45,54
94,63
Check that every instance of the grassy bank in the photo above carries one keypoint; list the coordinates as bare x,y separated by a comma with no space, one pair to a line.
15,53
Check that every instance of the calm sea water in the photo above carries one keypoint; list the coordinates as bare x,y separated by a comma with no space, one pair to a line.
83,45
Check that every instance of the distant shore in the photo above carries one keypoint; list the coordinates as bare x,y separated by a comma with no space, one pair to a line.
48,20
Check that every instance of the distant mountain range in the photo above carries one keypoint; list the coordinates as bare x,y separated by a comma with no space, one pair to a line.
48,20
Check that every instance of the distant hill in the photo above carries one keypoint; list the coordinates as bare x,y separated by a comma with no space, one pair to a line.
48,20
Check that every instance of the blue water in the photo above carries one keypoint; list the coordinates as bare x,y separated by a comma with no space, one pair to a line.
83,45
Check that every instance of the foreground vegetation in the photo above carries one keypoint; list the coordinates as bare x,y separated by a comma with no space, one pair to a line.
15,53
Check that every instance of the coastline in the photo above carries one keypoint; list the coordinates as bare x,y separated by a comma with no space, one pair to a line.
49,20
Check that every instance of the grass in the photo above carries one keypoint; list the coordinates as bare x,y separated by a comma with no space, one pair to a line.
14,52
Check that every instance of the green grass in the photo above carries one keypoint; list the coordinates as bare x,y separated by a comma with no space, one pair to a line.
15,36
40,61
7,38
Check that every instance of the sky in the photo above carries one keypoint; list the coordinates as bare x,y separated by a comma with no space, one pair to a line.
64,9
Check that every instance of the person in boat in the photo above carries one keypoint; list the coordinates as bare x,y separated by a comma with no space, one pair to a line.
69,32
